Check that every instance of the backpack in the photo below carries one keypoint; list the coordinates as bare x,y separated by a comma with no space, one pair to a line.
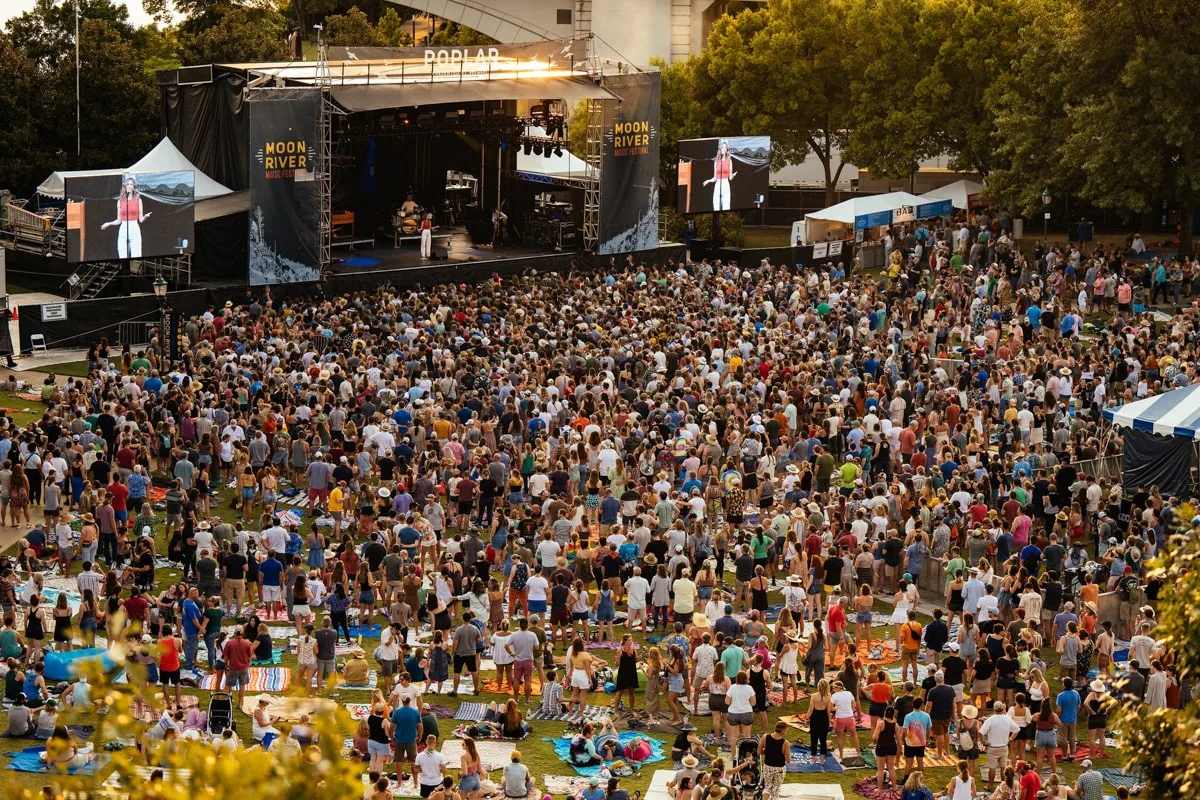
966,739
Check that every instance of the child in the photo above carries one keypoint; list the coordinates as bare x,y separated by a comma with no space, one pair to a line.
552,695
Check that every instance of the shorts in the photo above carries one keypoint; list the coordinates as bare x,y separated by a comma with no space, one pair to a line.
561,616
326,667
684,616
981,686
387,668
378,749
911,751
864,617
958,692
301,611
122,516
522,671
844,725
168,677
319,495
997,757
941,727
876,709
908,657
1045,740
404,752
580,680
248,494
469,783
272,594
580,616
471,663
465,507
428,790
608,614
236,678
741,719
537,606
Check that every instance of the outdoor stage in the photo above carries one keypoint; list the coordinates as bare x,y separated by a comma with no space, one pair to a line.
452,248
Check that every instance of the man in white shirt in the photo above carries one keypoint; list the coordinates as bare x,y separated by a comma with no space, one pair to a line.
998,731
274,538
548,550
204,537
684,590
637,588
989,608
431,764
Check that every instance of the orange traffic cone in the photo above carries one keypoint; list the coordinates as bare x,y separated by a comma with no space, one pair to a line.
14,316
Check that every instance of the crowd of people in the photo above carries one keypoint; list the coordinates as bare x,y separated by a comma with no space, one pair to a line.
711,472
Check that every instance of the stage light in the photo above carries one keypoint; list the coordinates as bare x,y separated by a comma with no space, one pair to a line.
557,149
537,148
528,147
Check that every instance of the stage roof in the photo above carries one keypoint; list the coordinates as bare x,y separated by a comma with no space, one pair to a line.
368,85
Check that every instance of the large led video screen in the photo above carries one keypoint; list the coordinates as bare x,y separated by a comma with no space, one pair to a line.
729,173
130,215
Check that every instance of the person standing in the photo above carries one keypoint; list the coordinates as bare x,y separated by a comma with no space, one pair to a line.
775,751
466,637
407,730
432,766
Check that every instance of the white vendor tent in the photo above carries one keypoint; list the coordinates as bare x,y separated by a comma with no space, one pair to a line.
212,199
957,192
832,222
1174,413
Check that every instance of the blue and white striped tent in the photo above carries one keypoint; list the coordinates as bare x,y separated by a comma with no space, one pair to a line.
1175,413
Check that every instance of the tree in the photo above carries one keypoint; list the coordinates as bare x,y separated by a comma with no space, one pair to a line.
21,158
351,29
394,31
238,34
1125,134
780,70
681,116
455,35
118,110
46,33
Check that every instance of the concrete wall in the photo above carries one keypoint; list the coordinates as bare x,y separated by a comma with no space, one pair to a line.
637,29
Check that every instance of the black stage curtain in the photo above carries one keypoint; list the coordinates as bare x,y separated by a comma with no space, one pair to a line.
1153,460
205,122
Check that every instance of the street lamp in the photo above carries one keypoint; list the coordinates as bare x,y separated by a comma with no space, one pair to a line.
160,292
1046,217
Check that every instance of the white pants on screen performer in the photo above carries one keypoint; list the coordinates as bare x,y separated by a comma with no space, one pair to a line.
721,195
129,240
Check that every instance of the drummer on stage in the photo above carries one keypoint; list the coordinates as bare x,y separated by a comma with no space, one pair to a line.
409,206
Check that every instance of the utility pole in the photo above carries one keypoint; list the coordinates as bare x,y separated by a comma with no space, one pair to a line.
78,112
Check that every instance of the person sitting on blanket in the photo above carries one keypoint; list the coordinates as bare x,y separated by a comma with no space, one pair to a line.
690,771
583,749
592,791
688,743
517,780
63,753
20,718
261,721
552,695
357,671
637,750
608,741
503,724
47,720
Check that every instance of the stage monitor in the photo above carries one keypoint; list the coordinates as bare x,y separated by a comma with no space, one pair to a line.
723,174
130,215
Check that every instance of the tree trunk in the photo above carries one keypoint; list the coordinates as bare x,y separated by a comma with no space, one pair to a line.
830,180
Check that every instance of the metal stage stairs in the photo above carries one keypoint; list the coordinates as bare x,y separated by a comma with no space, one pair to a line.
94,277
90,281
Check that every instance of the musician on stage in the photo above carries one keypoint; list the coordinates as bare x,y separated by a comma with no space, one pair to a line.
499,227
409,206
427,236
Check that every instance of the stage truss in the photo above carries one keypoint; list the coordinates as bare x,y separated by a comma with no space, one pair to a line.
593,151
325,158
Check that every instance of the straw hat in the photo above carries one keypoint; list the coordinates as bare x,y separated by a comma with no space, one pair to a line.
700,621
970,712
1098,686
689,762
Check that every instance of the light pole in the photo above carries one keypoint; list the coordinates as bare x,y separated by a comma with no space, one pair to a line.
1046,218
78,112
160,292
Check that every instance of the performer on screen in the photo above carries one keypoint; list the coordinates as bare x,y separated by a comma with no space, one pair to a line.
130,216
722,174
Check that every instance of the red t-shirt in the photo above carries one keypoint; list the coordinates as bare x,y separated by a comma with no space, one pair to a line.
126,458
1031,784
136,607
238,653
119,494
836,621
169,660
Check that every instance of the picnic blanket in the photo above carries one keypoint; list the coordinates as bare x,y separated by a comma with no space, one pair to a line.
396,789
494,686
150,712
372,681
181,776
932,759
589,713
465,686
562,749
867,788
494,753
862,722
276,658
340,649
1119,778
291,708
800,760
465,732
569,785
471,712
29,760
853,758
262,679
358,711
364,631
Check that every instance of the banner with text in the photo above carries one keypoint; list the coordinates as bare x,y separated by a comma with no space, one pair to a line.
284,193
629,166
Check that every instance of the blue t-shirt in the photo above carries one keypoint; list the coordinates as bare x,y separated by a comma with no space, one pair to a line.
191,617
405,719
270,571
1068,706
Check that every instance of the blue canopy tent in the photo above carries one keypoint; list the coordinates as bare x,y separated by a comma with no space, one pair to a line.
1160,435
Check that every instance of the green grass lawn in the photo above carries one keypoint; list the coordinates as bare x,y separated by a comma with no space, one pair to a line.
539,755
755,237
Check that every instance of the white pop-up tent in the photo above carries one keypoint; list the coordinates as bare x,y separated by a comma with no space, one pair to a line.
832,222
212,198
957,193
564,167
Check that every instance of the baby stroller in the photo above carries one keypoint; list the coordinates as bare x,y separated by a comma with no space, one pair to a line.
747,783
220,713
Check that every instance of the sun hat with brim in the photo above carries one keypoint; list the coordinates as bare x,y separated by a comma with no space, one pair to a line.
1098,686
262,700
970,712
689,761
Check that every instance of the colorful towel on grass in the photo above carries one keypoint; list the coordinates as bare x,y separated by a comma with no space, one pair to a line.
290,708
495,687
853,758
494,753
932,759
464,732
364,631
1081,752
358,711
878,653
276,658
29,760
262,679
869,790
863,722
562,749
800,760
1118,778
589,713
372,681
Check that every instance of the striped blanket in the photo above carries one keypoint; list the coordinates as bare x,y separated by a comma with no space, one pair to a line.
589,713
262,679
372,682
472,712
